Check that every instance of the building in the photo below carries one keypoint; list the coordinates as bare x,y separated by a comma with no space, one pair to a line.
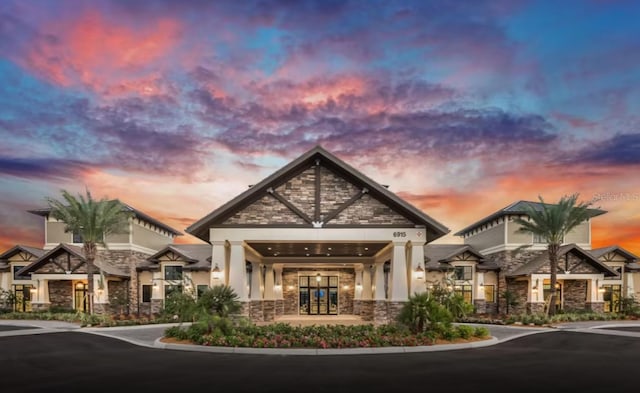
318,237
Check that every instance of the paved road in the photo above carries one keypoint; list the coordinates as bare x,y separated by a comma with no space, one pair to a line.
560,361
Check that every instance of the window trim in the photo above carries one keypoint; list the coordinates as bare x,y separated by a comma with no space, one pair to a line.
143,293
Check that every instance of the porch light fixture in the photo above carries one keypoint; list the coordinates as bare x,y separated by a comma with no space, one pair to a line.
601,289
318,278
534,290
33,290
358,285
419,272
155,284
216,272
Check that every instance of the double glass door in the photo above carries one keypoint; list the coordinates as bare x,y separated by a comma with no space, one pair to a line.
318,295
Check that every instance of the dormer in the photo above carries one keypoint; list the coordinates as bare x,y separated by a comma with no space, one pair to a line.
145,234
499,232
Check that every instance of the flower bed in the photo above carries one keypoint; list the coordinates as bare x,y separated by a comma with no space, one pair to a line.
282,335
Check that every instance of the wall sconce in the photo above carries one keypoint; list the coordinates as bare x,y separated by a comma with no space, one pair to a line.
345,287
601,289
419,272
358,285
155,284
33,290
318,277
534,290
481,285
217,274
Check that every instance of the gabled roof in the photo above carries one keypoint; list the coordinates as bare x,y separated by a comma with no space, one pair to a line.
438,256
598,252
516,208
73,250
201,227
536,263
198,256
125,207
36,252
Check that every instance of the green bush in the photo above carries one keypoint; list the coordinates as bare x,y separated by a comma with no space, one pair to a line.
465,331
480,331
423,311
220,299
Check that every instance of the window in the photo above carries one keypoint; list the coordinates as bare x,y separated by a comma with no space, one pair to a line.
200,289
77,237
462,273
465,291
173,273
611,296
22,301
539,239
169,289
490,293
16,276
146,293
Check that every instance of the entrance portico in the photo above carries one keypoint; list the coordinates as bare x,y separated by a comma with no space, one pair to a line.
318,238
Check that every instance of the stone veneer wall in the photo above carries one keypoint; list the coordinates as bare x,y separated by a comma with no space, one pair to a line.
127,261
520,290
574,294
61,294
118,299
508,261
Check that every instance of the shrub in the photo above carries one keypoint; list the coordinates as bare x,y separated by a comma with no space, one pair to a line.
481,331
465,331
181,305
423,312
220,299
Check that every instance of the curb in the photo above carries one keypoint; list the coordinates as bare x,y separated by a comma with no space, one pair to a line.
330,351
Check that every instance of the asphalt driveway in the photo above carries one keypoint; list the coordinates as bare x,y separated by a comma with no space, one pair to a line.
554,362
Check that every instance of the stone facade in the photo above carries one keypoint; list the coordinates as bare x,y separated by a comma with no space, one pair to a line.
255,311
575,295
509,261
393,310
480,306
61,294
380,312
334,191
118,297
368,210
269,310
366,310
595,307
156,306
300,190
535,308
267,210
519,288
279,307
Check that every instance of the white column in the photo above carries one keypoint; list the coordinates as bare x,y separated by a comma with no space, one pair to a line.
157,286
4,281
366,283
417,259
479,292
100,295
596,296
357,293
256,281
219,258
631,291
399,288
237,270
379,282
269,293
278,289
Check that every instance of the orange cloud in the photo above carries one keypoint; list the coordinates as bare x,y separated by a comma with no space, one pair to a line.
94,52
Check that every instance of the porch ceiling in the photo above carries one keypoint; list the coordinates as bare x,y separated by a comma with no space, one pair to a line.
312,249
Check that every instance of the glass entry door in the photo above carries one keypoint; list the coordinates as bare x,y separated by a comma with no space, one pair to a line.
318,295
80,296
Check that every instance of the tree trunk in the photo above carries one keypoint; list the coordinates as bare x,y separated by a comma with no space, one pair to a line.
90,255
553,264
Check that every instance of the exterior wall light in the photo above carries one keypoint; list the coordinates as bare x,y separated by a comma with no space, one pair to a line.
358,285
216,272
318,278
601,289
419,272
534,290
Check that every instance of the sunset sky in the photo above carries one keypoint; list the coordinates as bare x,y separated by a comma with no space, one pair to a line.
461,107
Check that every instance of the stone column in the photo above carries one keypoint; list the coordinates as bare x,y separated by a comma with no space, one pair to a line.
595,302
379,298
417,259
219,258
237,274
269,303
367,302
157,292
40,302
100,296
357,291
255,310
479,301
399,280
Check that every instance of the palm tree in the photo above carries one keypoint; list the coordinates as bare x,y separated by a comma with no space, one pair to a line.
93,220
553,222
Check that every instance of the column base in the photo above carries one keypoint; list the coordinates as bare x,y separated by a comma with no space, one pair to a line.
393,310
156,306
101,308
40,306
366,310
535,308
380,312
279,307
597,307
269,310
480,306
357,305
255,311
